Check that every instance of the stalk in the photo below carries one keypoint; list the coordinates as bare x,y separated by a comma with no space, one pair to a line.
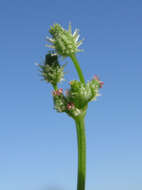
77,66
81,140
81,137
55,87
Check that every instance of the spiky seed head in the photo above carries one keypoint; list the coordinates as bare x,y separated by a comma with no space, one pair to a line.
63,41
51,70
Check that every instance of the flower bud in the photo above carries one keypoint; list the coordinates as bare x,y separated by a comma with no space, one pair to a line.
63,41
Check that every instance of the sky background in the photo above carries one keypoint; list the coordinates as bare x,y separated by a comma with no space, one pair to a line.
38,147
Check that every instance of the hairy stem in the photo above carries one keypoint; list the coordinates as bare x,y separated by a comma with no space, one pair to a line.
81,139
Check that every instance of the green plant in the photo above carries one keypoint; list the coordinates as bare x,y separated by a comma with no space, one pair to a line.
75,102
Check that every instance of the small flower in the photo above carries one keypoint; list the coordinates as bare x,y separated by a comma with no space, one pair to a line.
60,91
57,92
100,82
72,110
96,77
59,100
62,104
63,41
70,106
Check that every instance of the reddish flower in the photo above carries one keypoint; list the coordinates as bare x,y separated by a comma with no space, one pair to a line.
96,77
70,106
58,92
100,82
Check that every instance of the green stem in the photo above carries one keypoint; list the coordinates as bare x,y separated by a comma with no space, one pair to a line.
81,139
55,87
78,69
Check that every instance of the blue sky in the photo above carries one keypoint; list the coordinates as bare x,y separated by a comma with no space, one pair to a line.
37,145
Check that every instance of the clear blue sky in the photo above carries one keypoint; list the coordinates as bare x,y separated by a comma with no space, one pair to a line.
37,145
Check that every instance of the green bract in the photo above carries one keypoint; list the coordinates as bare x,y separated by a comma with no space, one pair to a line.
51,70
63,41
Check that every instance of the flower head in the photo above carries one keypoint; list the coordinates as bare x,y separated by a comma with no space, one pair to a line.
63,41
51,70
62,104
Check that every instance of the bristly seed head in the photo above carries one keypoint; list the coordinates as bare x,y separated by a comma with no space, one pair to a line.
51,70
63,41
